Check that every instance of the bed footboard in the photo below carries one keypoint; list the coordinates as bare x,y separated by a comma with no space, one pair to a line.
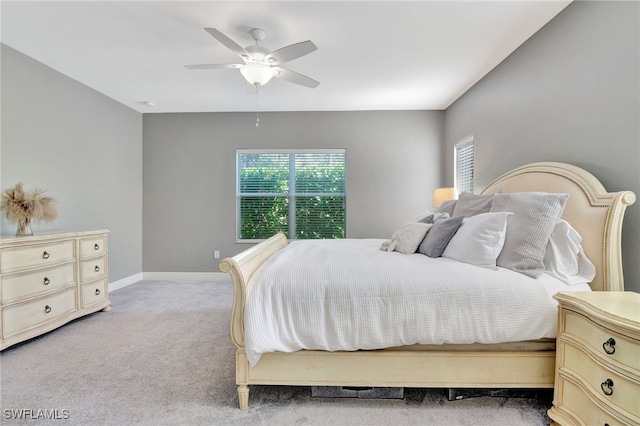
241,268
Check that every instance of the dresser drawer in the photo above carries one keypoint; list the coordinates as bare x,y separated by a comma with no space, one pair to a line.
23,316
612,387
90,247
93,269
621,349
36,256
94,292
29,284
589,412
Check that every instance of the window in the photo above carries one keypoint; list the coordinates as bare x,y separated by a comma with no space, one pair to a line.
299,192
463,163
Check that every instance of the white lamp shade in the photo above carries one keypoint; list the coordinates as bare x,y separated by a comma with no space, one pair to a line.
257,73
440,195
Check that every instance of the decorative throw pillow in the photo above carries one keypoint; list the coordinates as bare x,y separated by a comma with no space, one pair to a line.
528,229
472,204
409,236
439,236
479,240
447,207
564,257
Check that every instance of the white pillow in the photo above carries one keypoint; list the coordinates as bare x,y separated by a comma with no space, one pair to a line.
409,236
564,257
479,239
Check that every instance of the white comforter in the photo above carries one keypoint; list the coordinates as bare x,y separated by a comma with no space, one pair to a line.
348,295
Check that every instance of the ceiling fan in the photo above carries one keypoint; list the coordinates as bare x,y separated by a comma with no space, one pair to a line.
260,65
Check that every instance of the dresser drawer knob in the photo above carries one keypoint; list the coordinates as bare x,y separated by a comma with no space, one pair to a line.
97,268
607,387
47,309
96,246
97,292
46,281
45,255
609,346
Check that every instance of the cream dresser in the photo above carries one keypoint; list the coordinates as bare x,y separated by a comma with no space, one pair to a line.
48,280
597,359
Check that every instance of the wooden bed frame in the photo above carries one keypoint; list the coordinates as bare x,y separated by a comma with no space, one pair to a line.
595,213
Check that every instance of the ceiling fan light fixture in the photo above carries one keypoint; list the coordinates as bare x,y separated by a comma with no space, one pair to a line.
257,74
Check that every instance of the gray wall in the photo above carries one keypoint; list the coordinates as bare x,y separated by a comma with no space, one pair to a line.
82,147
393,165
571,93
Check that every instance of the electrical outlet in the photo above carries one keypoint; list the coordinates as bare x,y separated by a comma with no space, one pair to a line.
216,254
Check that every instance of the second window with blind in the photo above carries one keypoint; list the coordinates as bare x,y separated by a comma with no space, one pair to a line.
463,164
299,192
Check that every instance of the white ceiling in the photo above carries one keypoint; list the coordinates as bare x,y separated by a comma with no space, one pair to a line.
372,55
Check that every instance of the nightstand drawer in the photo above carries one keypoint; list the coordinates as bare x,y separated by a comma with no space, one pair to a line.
93,269
602,381
602,341
92,247
30,284
23,316
589,412
94,292
21,258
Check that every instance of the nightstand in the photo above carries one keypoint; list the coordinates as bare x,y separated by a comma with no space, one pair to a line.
597,379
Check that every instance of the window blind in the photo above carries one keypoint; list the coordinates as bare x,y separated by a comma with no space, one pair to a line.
464,165
301,193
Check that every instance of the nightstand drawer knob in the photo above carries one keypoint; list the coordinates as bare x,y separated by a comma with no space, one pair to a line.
45,255
97,292
97,268
46,281
609,346
96,247
607,387
47,309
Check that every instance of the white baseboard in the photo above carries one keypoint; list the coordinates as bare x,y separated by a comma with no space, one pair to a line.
169,276
117,285
187,276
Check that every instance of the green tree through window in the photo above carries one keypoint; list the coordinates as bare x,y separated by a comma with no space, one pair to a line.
301,193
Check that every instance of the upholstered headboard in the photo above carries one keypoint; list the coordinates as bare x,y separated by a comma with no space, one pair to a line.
595,213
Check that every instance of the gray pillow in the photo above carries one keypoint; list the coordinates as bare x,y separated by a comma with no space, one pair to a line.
528,229
472,204
439,236
434,217
447,207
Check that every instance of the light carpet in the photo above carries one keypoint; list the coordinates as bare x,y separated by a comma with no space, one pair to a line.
163,356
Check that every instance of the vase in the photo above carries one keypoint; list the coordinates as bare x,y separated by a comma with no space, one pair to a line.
24,227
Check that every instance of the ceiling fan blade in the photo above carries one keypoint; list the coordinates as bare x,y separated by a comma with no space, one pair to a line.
213,66
294,77
291,52
231,45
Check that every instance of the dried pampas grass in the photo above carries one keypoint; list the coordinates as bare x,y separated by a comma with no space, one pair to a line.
23,207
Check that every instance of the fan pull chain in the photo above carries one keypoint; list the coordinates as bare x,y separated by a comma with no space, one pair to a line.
257,105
